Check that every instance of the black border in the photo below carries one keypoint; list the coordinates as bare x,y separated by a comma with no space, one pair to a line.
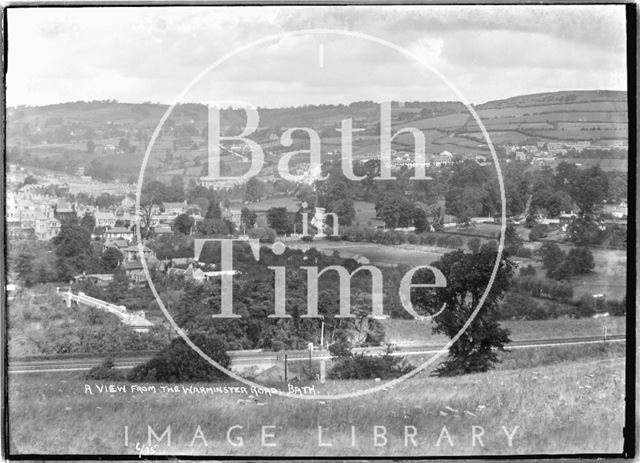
630,444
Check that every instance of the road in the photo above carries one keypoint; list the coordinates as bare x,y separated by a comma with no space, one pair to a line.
262,358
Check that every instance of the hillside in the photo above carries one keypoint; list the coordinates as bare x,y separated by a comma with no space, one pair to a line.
568,407
57,136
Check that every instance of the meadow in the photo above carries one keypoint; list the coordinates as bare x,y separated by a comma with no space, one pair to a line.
559,408
408,332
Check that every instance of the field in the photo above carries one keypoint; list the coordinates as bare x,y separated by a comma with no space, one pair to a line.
609,278
559,408
378,253
408,332
621,165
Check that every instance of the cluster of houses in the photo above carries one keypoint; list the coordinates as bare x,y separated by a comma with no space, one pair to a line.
34,215
545,153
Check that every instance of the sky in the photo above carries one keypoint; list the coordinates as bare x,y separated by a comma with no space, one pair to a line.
139,54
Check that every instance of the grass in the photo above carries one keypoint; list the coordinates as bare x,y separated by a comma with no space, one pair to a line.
561,408
407,332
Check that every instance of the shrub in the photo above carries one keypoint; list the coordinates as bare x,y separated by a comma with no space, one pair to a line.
104,371
178,362
454,242
616,308
474,244
538,232
586,306
529,270
524,252
361,366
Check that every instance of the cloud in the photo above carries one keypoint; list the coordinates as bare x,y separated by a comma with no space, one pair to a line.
150,53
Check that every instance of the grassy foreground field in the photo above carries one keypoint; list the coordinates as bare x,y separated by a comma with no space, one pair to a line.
562,408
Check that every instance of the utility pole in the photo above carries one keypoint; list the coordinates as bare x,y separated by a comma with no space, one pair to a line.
285,368
322,336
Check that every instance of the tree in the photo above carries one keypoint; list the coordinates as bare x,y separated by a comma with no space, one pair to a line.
264,234
551,255
396,210
111,259
178,362
474,244
345,210
420,221
586,306
467,278
248,217
306,194
33,262
254,190
538,232
30,180
512,241
212,227
589,188
88,222
183,224
278,219
74,252
91,147
583,231
124,145
581,260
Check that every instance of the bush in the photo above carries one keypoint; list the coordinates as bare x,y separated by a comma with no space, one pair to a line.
529,270
178,362
104,371
474,244
538,232
361,366
454,242
264,234
524,252
616,308
586,306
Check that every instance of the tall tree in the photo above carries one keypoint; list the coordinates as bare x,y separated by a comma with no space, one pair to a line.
88,222
467,278
278,219
183,224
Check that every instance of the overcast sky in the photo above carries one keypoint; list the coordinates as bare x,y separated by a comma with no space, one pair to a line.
151,54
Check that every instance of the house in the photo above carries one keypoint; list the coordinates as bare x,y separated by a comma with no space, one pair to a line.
46,228
135,271
137,321
104,219
175,208
119,244
162,229
521,156
63,210
621,211
118,233
363,260
234,216
215,274
132,253
195,274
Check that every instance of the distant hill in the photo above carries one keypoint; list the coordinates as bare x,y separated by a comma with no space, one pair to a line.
566,97
59,136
